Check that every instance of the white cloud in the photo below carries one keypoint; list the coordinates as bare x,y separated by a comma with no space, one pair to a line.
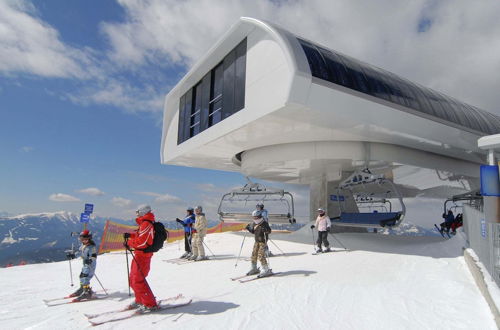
121,94
60,197
26,149
29,45
458,51
458,54
121,202
91,191
161,198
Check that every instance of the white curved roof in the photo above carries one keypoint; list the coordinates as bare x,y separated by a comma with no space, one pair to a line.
285,104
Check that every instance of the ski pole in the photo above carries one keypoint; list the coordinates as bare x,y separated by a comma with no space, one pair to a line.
178,241
278,247
314,238
338,241
70,269
241,248
70,272
97,278
208,249
128,274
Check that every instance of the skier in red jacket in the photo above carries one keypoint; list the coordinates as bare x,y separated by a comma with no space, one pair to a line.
139,240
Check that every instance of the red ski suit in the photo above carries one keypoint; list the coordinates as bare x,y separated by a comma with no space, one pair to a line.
141,239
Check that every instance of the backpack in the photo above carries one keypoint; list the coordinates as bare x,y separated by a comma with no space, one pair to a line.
160,236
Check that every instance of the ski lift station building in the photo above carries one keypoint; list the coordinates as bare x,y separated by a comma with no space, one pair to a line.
275,106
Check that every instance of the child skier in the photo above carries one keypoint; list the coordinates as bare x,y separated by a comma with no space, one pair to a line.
88,253
261,230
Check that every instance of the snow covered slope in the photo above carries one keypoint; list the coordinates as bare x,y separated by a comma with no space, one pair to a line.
383,283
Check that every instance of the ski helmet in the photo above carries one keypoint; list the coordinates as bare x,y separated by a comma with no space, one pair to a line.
86,234
260,205
199,208
190,209
143,210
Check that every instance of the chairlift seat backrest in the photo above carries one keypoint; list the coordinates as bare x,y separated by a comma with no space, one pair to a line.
376,219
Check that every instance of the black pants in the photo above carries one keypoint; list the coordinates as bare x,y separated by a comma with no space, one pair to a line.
187,242
323,238
445,226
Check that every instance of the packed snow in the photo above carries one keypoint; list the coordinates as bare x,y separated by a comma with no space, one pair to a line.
382,282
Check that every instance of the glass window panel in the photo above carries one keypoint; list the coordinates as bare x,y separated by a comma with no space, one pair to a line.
426,106
377,87
228,85
216,113
338,72
239,88
187,114
205,99
180,127
316,62
357,75
406,92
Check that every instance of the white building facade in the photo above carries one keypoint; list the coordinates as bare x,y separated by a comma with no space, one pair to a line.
278,107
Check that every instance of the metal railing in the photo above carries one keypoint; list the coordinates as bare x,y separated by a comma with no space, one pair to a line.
484,239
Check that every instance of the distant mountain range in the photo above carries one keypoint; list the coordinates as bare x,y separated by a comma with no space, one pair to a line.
43,237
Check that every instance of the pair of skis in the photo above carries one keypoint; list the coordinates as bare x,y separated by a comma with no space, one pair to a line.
70,300
441,231
127,312
179,261
249,278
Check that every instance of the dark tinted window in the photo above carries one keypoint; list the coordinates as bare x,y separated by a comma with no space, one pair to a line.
180,130
228,89
218,95
215,106
239,87
196,112
316,62
205,99
348,72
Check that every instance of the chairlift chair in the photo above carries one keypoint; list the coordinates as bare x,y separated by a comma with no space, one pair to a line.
380,189
256,193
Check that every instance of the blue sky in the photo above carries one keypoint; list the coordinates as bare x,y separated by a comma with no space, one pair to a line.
83,82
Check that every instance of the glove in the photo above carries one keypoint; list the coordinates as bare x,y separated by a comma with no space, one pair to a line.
248,228
328,229
70,255
87,261
126,235
178,220
126,245
313,226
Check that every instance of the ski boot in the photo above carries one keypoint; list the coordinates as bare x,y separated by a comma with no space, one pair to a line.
200,258
148,309
192,257
265,271
327,249
86,294
184,256
77,292
134,305
254,270
319,250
